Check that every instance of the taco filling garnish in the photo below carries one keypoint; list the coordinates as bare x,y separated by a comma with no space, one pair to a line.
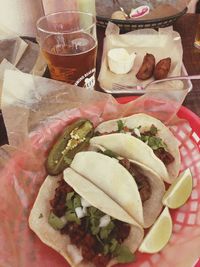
148,134
148,137
141,180
97,235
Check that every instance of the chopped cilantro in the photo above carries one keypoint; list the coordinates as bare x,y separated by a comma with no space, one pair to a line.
72,217
106,249
113,245
94,225
109,153
120,125
70,195
69,202
77,201
56,222
144,138
151,139
105,231
153,130
156,142
40,216
104,235
124,255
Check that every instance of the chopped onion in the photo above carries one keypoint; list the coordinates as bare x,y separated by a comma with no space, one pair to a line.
74,254
104,221
80,212
137,132
84,203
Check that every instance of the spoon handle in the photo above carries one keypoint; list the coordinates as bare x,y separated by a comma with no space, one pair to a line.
189,77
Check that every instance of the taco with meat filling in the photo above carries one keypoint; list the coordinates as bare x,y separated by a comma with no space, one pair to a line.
82,223
142,138
136,188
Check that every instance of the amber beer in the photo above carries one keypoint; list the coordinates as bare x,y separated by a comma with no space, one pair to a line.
71,58
68,41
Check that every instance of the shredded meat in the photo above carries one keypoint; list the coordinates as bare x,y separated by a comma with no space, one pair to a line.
100,260
75,231
106,133
79,235
164,156
123,231
90,248
141,180
58,203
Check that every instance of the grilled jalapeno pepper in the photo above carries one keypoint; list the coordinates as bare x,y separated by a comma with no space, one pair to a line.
74,139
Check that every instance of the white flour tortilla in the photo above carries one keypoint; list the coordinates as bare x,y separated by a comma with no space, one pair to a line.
38,219
112,178
145,122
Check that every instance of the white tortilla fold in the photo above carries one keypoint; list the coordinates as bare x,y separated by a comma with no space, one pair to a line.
112,178
152,206
145,122
38,222
38,219
130,147
100,200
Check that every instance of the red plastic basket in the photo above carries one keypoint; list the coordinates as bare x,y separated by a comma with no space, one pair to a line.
189,136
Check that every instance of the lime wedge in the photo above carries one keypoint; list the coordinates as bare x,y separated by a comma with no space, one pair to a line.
179,192
159,234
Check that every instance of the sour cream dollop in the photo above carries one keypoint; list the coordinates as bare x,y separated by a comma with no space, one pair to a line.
120,61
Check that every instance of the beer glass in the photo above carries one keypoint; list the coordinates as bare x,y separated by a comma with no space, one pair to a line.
69,44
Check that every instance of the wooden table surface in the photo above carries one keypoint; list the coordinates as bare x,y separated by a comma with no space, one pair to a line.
186,26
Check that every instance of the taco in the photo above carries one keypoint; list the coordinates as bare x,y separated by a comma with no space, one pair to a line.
82,223
144,131
136,188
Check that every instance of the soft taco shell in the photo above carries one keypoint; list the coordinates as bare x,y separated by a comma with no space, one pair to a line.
38,219
132,148
153,206
145,121
112,178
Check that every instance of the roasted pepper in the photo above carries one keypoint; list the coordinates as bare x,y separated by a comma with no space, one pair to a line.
74,139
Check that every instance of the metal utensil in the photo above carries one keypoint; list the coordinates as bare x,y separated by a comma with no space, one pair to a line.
120,7
130,89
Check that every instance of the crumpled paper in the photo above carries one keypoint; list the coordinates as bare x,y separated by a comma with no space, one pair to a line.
162,44
12,48
35,110
22,54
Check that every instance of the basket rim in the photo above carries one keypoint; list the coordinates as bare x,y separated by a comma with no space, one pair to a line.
138,22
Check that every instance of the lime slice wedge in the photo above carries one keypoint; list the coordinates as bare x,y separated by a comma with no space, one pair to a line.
159,234
179,192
